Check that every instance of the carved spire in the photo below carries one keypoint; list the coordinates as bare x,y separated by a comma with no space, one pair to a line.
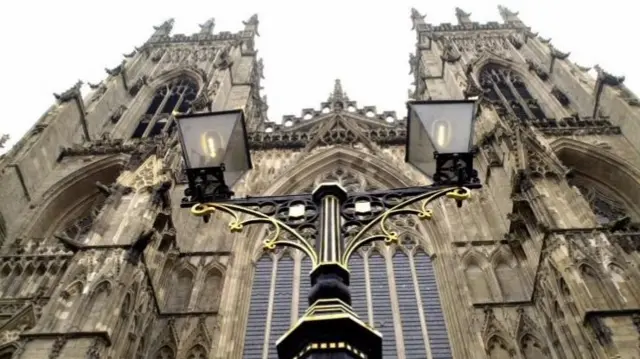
464,18
163,30
508,16
338,95
207,27
252,24
416,19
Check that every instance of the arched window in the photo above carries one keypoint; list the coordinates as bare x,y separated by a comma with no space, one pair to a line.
506,91
180,291
177,95
78,228
604,204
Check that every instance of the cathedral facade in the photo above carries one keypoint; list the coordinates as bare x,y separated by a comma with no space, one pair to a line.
99,260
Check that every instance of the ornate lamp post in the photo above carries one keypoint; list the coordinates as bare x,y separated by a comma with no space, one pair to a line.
216,151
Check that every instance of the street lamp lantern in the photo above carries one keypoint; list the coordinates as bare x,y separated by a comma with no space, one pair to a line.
440,138
216,152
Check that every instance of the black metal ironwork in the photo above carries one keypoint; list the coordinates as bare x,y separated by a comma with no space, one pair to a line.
455,169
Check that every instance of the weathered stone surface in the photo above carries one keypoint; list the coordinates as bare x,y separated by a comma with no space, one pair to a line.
98,260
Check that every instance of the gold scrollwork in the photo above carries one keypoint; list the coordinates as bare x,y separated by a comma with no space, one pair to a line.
236,225
389,236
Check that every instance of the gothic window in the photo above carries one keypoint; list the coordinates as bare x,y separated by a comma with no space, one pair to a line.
258,308
508,280
96,306
619,279
415,292
381,298
477,282
78,229
305,285
506,90
594,286
180,291
210,294
176,96
281,315
604,204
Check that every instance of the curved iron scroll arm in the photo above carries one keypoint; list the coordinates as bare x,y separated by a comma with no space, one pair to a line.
388,236
236,225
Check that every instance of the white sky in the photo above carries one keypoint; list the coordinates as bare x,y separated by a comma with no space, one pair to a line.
49,45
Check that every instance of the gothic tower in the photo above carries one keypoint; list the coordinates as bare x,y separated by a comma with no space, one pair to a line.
98,260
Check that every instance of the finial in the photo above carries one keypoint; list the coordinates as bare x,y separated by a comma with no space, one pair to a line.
338,96
165,26
252,24
508,16
207,27
463,17
504,11
460,12
416,18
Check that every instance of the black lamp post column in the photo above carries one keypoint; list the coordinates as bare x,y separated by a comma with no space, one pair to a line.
330,329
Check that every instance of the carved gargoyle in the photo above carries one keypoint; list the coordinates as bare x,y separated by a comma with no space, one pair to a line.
140,244
116,70
71,93
161,195
607,78
141,81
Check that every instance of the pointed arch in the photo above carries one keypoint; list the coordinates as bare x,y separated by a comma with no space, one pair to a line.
595,285
301,174
211,290
507,272
173,91
622,282
389,176
180,289
96,306
68,197
476,277
506,89
498,348
606,173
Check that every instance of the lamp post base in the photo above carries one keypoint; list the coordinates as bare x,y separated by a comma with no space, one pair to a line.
330,330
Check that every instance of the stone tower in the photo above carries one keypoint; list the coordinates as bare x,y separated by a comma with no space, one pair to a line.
99,260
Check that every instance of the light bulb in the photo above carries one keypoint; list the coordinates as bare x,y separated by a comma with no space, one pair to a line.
442,133
211,143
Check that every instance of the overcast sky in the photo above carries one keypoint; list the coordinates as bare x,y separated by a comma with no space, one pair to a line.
49,45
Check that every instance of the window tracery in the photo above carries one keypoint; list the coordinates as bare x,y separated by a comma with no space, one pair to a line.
507,92
604,205
175,96
77,230
371,286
